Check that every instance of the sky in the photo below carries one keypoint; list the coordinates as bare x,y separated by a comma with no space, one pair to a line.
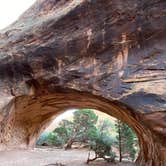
67,114
10,10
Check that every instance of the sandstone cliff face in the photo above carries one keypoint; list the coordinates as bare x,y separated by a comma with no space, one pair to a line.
108,55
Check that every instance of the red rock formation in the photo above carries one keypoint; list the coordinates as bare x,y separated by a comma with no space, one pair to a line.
104,54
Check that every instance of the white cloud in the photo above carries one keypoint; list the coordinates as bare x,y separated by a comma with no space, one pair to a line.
10,10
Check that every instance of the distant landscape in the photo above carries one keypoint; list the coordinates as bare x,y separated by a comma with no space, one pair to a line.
91,130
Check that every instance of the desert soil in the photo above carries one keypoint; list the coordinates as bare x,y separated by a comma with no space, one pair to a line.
50,156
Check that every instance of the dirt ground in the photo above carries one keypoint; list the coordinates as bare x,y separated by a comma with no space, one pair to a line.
48,157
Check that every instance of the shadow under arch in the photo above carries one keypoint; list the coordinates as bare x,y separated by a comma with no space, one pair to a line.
30,115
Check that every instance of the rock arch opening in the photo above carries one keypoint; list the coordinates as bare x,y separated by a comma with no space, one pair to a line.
88,129
28,116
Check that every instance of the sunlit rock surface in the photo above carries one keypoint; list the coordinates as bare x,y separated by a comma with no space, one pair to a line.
108,55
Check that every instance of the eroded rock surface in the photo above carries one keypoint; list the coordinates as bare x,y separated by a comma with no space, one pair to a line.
109,55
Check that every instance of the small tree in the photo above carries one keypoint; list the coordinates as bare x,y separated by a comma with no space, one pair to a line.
64,131
54,139
101,143
78,130
126,140
43,139
49,139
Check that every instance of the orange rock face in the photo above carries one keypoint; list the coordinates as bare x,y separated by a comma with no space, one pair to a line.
108,55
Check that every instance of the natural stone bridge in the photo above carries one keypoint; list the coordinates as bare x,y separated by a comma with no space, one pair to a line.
104,54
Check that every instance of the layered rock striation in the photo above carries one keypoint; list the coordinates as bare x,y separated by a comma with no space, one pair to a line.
108,55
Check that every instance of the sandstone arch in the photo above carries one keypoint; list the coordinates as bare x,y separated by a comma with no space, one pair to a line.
112,50
31,114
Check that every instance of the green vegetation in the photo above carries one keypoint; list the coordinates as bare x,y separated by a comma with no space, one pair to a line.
126,141
101,136
101,143
80,129
50,139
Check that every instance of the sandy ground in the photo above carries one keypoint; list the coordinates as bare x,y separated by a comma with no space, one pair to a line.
45,156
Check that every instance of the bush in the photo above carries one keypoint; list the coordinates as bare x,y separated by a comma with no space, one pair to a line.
43,138
50,139
54,140
101,145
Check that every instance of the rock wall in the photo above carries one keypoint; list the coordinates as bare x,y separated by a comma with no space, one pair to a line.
109,55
